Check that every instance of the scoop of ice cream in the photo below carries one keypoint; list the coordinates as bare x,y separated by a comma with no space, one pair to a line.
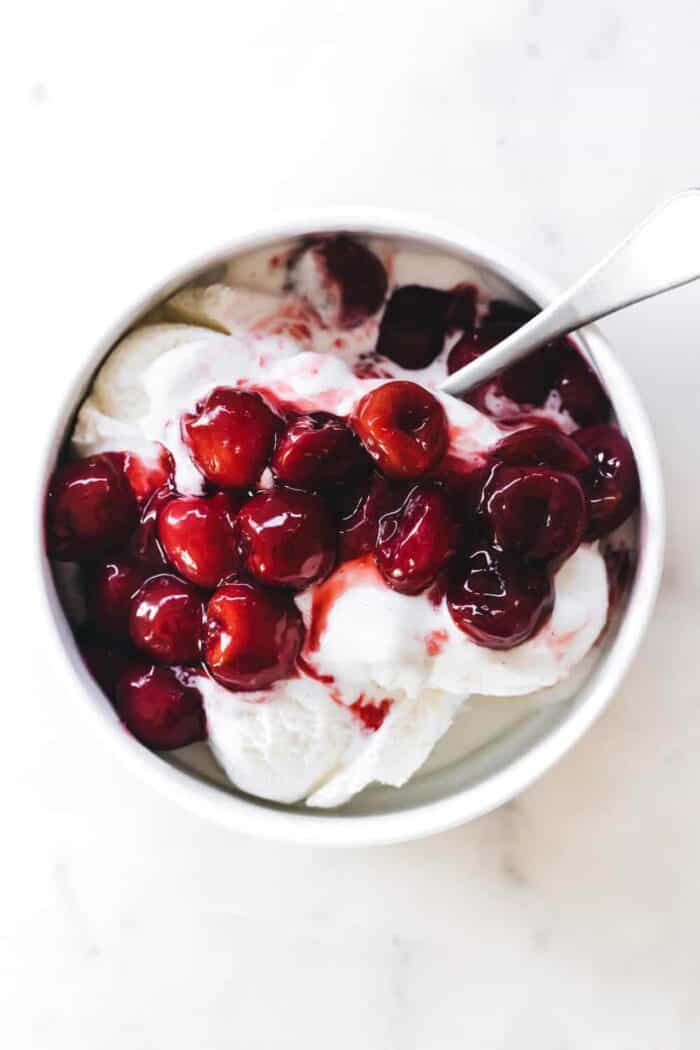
295,743
117,390
221,308
282,745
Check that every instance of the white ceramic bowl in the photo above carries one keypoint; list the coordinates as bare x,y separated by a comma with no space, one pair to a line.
469,786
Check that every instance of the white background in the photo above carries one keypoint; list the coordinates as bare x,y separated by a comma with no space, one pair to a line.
136,134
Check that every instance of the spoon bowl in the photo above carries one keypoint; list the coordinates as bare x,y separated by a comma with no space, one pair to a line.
660,254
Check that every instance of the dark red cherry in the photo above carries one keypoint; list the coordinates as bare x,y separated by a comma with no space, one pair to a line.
537,513
523,382
502,312
231,436
160,707
465,483
529,382
341,279
465,350
413,327
197,536
144,545
498,600
415,544
253,636
104,660
461,308
541,446
558,368
611,482
403,427
147,476
166,620
110,589
581,393
90,508
318,450
286,538
361,518
473,345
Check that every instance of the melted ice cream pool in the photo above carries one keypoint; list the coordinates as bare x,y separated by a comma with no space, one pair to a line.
299,739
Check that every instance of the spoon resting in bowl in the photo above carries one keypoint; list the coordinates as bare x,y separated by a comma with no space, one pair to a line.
660,254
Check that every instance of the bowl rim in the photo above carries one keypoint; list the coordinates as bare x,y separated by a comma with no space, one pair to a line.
311,827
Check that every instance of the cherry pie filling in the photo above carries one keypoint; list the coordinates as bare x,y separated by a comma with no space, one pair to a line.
179,586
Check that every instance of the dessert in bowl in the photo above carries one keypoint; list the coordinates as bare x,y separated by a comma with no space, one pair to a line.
300,573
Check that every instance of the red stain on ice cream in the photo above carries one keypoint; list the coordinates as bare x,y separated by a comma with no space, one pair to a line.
368,366
371,712
435,642
351,574
559,643
310,671
339,343
310,367
291,319
285,400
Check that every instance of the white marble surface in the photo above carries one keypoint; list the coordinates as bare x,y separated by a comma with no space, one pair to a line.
138,133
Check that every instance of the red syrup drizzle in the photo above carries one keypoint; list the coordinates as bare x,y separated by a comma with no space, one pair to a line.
310,671
371,712
326,594
435,642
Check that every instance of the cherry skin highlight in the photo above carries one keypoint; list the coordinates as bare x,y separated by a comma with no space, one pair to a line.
231,436
144,546
197,535
159,708
498,600
537,513
253,636
415,544
166,620
286,538
403,427
611,482
90,508
318,450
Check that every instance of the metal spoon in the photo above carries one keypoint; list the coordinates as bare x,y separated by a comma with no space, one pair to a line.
662,253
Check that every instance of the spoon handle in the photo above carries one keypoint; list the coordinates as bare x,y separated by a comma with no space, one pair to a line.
662,253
